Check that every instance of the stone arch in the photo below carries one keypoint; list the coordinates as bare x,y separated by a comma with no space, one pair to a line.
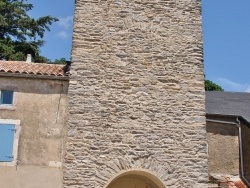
138,176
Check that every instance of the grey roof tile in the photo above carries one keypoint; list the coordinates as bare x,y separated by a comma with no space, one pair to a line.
228,103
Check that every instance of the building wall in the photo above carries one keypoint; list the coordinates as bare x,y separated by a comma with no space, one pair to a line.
136,95
41,107
223,148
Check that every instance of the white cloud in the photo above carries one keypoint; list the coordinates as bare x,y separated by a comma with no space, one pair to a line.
63,34
248,89
65,22
66,26
230,85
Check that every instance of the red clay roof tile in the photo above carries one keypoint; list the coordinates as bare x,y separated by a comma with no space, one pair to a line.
230,183
32,68
240,184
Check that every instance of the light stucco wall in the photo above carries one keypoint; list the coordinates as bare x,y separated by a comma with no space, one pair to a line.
41,106
30,177
136,94
223,148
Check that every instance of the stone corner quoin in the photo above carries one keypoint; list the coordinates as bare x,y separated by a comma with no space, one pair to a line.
136,95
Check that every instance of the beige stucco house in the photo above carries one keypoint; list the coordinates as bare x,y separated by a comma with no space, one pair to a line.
32,124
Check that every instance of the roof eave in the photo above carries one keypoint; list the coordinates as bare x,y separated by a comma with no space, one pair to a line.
34,76
231,116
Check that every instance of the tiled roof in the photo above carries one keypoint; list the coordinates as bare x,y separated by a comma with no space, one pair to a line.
228,103
22,67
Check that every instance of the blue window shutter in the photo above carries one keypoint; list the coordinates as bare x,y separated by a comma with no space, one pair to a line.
7,132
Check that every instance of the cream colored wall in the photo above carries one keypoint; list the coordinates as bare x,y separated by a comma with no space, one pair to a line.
30,177
223,148
41,107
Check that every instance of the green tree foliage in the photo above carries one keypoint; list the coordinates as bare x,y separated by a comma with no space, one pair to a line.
19,32
211,86
60,61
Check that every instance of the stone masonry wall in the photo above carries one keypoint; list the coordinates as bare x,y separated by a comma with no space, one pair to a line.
136,97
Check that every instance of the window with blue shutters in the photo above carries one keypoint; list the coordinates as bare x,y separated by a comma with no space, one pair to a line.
7,132
9,138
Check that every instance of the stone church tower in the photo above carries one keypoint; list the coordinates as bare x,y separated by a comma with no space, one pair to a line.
136,106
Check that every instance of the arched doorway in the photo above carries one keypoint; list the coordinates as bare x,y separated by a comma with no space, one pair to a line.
135,179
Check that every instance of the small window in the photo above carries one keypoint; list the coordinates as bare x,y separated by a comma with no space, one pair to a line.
9,137
6,97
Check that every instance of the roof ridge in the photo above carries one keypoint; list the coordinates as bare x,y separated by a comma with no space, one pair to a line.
32,63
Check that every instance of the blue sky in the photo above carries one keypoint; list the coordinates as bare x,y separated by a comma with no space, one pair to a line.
226,35
58,40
